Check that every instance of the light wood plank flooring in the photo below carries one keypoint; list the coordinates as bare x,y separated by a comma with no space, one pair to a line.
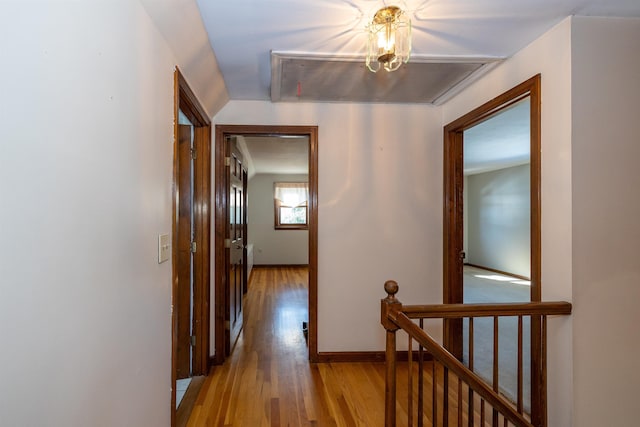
268,380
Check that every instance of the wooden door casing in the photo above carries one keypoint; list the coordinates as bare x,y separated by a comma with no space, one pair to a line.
453,222
185,101
184,236
222,133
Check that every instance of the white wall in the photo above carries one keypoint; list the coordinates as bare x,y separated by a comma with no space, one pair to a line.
271,246
181,25
499,219
549,55
380,215
85,181
606,208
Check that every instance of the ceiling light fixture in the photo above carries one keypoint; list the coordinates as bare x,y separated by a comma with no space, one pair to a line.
389,42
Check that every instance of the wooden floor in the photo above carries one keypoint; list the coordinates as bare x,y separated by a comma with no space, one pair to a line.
268,380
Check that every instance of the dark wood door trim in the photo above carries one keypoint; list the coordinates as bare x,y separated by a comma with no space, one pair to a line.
453,209
183,297
220,219
452,242
185,100
202,257
453,157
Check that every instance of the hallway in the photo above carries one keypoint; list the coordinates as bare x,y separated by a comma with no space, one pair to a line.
268,381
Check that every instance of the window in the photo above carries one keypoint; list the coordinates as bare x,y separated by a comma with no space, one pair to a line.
291,202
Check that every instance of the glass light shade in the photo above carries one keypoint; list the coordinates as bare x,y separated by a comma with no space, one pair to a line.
389,42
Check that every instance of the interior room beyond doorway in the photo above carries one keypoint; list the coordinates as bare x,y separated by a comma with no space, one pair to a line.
485,286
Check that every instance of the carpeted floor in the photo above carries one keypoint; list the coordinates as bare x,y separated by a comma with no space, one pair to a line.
481,286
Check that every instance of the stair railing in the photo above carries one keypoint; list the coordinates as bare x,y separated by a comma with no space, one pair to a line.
459,396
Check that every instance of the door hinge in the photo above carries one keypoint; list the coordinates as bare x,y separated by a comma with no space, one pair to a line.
194,247
194,154
227,243
193,340
227,161
227,325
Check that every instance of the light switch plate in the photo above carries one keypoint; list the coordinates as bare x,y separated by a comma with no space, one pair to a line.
163,248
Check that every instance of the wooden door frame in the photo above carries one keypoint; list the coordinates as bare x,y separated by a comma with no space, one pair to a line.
453,214
185,100
222,131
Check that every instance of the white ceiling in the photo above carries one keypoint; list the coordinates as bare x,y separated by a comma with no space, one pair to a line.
275,154
499,142
244,32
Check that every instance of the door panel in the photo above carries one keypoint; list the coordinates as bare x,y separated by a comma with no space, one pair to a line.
235,235
184,256
245,272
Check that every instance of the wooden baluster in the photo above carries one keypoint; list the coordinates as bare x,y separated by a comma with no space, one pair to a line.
421,381
482,414
543,373
434,392
471,369
520,370
536,373
445,396
471,343
459,402
471,415
390,303
410,383
495,366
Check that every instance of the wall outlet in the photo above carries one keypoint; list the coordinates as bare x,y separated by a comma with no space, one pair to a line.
163,248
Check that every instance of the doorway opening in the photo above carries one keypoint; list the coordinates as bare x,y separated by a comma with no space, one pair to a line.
496,239
492,210
226,137
190,245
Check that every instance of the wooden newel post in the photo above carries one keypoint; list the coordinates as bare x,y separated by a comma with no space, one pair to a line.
389,305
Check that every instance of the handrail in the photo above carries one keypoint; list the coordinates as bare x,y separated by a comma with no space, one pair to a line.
395,315
454,311
449,361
